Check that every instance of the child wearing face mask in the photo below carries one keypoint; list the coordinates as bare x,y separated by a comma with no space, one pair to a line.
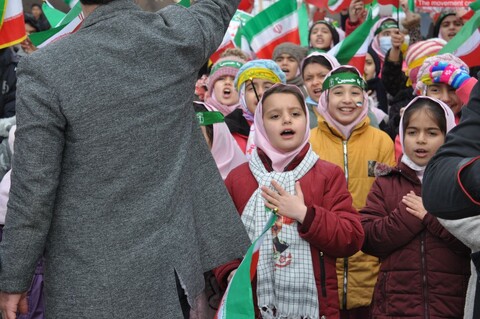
345,138
316,223
251,81
418,256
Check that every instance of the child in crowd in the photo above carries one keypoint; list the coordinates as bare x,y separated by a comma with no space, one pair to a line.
425,270
345,138
314,69
447,25
221,93
288,56
378,102
316,223
385,29
322,36
251,81
225,150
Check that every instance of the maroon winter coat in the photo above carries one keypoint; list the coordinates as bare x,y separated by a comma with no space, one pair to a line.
332,226
424,269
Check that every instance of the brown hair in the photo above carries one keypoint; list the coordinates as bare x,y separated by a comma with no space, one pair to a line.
288,89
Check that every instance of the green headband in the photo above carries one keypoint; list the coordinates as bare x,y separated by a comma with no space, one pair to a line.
385,26
209,118
223,64
343,78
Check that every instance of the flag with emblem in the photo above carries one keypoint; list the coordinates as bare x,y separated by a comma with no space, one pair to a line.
353,49
240,18
237,301
466,44
12,24
69,24
280,22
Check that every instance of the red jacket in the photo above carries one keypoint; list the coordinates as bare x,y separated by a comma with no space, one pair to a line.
332,226
424,269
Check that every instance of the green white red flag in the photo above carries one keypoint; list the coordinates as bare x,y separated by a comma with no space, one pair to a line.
240,18
68,25
466,44
280,22
353,49
237,302
336,6
12,24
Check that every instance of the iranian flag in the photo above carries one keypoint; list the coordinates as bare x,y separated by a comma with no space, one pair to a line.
353,49
237,301
239,19
54,16
279,23
336,6
69,24
466,44
12,24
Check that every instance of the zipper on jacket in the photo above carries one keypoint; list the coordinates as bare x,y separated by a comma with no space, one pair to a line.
345,260
424,275
323,280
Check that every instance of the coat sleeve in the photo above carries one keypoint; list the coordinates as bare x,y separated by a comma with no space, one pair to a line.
466,230
451,184
39,146
436,229
386,230
212,18
334,227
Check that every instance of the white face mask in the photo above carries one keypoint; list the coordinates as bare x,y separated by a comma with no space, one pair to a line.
407,40
385,44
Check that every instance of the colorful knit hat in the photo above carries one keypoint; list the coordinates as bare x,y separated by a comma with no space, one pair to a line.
417,53
424,71
259,69
292,49
224,67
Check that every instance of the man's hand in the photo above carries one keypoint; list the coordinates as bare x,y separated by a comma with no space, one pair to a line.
10,304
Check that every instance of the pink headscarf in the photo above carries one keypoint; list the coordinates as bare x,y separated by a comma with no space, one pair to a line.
279,159
450,119
225,150
376,39
322,107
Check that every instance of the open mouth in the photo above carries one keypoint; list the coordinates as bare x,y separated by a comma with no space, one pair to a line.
227,93
451,34
421,153
317,91
286,71
287,133
346,109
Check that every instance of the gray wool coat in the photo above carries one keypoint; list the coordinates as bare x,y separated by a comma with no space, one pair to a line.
112,178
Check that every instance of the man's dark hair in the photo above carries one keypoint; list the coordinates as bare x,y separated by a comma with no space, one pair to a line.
95,1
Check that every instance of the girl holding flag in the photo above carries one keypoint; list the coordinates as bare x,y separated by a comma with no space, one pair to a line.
345,138
316,223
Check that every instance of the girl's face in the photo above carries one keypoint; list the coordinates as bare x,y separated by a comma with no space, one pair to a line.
446,94
422,137
345,103
288,64
261,86
369,68
450,27
284,120
225,91
313,77
321,37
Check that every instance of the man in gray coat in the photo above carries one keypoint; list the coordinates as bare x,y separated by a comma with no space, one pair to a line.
112,181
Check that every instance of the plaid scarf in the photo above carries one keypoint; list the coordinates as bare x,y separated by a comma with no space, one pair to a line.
285,279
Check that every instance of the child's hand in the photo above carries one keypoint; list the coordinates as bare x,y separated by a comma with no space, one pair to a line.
414,205
291,206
